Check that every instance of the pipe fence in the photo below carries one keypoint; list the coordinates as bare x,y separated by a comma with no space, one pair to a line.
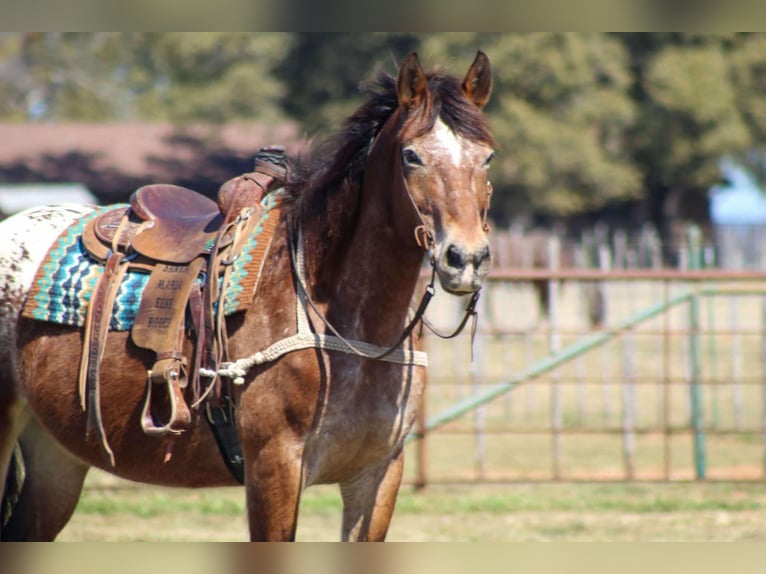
668,385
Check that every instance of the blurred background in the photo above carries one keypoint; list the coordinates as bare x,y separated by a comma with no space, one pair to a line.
622,333
595,129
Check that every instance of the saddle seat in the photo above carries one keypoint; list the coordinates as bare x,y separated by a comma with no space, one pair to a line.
181,222
164,222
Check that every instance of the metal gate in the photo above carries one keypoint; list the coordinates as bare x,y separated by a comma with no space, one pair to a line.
671,387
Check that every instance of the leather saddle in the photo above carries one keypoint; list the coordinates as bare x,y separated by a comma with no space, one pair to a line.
184,241
164,222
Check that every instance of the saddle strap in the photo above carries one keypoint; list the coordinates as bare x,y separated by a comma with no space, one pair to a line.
96,331
222,422
212,334
197,317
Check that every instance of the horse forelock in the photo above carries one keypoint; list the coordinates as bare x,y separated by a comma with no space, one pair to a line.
447,101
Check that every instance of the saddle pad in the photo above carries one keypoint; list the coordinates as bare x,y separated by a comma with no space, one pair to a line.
64,282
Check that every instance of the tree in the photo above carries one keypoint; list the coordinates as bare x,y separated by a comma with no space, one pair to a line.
748,72
180,77
215,77
323,73
586,122
689,120
561,113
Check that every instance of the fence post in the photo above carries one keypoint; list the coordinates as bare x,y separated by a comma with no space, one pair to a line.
696,387
709,263
736,351
581,262
695,366
554,344
763,379
605,265
762,266
421,448
478,362
666,381
628,405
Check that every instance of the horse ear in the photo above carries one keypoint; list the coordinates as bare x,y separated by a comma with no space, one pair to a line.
478,81
411,85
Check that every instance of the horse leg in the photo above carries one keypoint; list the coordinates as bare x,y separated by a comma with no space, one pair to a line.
13,415
52,485
273,483
369,500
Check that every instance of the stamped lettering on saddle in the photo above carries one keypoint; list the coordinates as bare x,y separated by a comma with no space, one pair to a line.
177,236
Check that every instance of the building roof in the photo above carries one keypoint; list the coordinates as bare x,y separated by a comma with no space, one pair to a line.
113,159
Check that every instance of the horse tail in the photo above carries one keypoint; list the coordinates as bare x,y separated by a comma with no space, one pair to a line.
14,481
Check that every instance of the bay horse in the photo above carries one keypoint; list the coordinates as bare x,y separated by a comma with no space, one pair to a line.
405,177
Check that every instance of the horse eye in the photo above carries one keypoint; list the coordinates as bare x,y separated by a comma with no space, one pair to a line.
489,159
411,158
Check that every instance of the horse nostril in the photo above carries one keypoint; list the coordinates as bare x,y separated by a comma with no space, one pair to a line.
481,256
455,257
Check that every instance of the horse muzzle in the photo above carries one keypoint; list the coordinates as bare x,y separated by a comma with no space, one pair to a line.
461,270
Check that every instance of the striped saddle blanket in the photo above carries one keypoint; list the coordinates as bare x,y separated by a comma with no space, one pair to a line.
65,280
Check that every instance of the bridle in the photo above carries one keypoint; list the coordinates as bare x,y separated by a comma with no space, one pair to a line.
424,237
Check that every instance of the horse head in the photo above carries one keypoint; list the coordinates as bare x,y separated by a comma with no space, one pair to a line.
445,151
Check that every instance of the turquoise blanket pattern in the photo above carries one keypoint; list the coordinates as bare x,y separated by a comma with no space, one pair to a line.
68,275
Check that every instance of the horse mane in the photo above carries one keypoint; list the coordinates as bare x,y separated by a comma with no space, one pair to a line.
324,182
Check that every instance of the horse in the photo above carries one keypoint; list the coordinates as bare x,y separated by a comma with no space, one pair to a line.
404,182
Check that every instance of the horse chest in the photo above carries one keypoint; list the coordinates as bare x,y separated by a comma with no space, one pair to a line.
363,426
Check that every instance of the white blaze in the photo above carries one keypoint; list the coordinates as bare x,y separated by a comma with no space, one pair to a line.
446,140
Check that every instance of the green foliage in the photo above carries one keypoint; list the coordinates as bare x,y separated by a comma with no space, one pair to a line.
179,77
561,111
584,120
213,77
323,73
690,118
748,71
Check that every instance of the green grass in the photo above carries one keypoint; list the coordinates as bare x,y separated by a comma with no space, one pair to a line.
151,505
325,501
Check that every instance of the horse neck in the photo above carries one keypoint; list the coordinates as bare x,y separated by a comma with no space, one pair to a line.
378,268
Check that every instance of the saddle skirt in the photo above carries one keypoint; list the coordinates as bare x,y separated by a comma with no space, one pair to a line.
64,282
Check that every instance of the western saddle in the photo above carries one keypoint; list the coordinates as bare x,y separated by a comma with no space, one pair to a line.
186,243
